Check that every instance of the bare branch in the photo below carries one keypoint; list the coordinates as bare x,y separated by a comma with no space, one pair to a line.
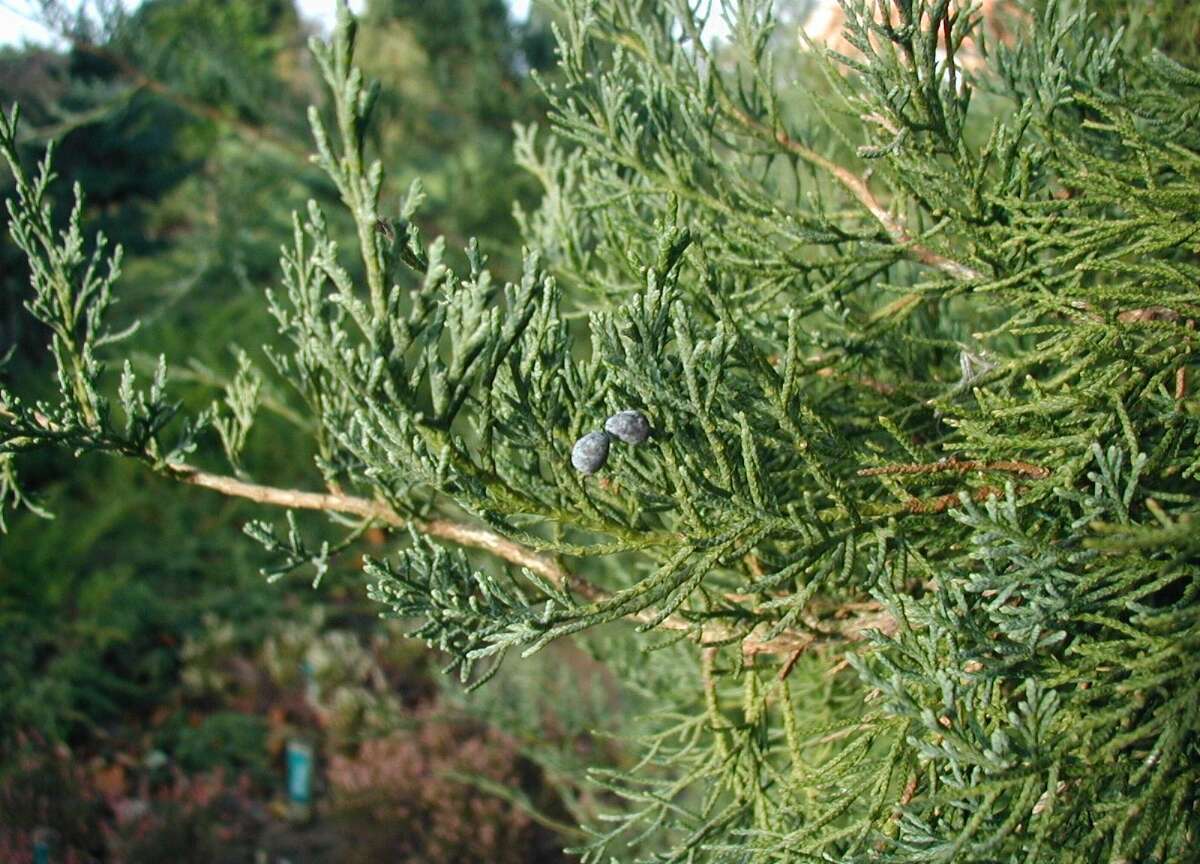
445,529
958,466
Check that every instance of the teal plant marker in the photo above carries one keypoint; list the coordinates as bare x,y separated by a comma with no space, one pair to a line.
41,846
299,780
299,773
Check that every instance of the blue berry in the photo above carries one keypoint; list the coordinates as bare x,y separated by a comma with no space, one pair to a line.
590,452
632,427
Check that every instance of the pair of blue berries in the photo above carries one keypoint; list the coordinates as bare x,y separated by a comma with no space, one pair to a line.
591,451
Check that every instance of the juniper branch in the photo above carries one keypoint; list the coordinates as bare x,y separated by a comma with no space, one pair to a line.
851,182
849,630
1009,647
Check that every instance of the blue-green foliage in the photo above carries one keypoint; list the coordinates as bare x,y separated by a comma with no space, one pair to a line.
916,531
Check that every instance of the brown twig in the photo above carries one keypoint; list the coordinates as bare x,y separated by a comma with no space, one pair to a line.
944,502
959,466
1149,313
445,529
786,669
846,630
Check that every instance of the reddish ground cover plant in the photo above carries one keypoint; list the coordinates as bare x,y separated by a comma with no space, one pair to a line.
413,796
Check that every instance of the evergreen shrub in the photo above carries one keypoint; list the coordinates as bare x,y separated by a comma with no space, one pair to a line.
910,562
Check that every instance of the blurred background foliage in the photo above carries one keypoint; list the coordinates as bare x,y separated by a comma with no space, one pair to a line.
145,665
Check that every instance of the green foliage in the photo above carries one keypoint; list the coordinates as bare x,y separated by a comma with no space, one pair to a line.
172,170
226,740
228,55
93,615
915,531
454,77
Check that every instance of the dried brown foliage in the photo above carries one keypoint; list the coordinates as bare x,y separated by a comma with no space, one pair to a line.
408,798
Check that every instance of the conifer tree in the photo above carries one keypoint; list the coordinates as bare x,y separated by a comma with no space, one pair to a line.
858,390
